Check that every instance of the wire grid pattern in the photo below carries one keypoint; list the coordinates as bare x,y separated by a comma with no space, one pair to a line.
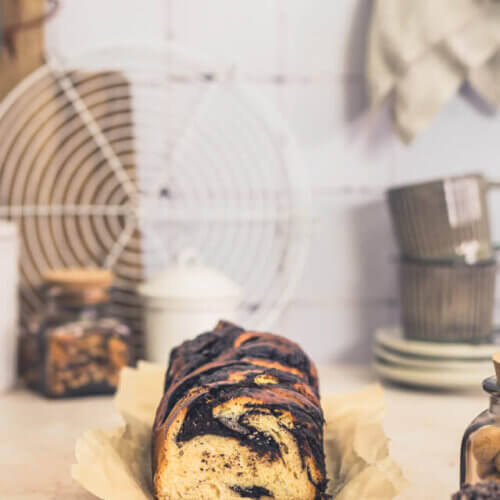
125,156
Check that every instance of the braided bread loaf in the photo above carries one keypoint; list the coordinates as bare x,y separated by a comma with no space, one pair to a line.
240,418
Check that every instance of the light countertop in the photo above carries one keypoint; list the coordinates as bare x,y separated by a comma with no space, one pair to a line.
37,436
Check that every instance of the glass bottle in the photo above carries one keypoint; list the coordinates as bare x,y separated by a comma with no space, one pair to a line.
480,453
74,346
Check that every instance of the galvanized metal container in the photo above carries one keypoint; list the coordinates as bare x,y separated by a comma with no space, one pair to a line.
446,301
445,218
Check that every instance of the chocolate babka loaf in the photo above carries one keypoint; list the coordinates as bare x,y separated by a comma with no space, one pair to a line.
240,418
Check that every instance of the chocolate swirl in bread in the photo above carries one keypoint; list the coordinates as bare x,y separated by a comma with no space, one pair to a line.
240,418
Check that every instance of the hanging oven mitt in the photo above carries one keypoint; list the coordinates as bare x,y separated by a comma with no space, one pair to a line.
420,52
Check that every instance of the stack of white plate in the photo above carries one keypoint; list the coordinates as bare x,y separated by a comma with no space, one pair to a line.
430,364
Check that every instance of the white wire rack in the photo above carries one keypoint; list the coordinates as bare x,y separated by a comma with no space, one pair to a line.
124,156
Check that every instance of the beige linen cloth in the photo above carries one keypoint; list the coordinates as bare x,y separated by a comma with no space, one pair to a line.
116,464
421,51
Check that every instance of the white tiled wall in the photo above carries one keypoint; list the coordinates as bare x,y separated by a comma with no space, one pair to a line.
308,57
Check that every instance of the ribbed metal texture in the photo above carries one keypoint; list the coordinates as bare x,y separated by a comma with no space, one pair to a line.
433,224
447,303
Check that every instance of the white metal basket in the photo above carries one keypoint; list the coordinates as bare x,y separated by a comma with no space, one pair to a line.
124,156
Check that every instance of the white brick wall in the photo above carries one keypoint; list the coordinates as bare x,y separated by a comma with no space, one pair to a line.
308,57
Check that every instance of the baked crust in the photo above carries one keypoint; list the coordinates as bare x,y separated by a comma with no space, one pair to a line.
240,418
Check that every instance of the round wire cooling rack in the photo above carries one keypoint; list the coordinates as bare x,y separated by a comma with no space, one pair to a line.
124,156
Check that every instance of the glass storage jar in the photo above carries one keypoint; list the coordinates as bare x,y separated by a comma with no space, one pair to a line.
480,453
74,346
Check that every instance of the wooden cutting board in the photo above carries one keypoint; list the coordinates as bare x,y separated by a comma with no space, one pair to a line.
28,43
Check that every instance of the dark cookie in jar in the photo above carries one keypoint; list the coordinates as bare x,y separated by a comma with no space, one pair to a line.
481,491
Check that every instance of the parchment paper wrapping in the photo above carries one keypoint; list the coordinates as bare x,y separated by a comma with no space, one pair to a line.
116,465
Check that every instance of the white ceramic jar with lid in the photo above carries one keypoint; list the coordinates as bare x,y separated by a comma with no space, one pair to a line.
9,249
183,301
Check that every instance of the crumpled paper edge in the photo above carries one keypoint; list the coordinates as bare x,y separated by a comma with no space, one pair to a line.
116,464
358,456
